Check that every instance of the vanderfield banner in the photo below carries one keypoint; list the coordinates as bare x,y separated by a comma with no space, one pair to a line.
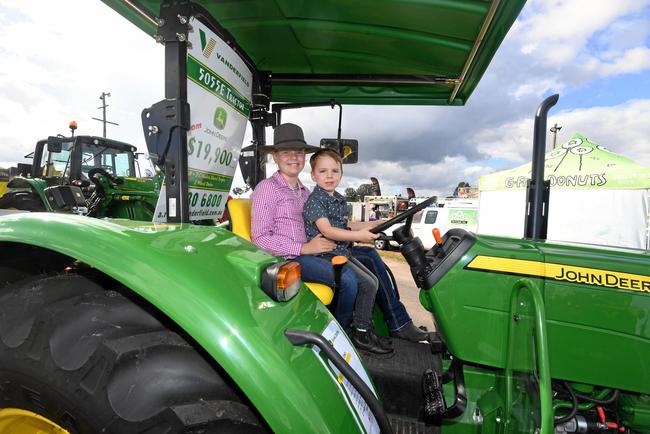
576,164
219,91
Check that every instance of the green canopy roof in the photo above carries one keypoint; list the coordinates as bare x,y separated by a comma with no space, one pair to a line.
576,164
431,52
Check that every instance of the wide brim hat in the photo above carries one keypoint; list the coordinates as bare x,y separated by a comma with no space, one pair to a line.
288,136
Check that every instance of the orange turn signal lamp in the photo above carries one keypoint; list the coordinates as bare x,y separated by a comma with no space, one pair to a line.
281,281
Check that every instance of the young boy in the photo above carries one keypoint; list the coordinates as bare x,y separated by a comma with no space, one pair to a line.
325,212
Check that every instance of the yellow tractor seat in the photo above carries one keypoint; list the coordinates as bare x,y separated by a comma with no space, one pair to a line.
240,220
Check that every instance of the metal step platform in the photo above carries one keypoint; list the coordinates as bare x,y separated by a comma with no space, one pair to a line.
399,381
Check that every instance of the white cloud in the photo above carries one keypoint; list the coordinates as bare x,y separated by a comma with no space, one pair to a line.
62,56
561,28
630,61
622,128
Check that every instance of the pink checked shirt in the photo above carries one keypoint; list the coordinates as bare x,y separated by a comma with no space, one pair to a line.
276,216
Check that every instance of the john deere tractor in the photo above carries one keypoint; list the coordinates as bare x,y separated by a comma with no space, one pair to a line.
123,326
88,175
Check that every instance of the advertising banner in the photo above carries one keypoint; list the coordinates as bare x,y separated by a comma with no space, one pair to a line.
219,91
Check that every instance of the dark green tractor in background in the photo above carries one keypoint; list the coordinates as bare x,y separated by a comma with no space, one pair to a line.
87,175
122,326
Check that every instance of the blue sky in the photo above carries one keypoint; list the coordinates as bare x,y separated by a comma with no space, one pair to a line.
58,57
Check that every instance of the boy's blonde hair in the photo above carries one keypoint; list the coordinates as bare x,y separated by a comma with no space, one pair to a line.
325,152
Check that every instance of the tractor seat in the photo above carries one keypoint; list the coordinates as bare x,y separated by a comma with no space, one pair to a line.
240,220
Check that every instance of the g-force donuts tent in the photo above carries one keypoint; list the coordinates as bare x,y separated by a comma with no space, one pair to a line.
597,197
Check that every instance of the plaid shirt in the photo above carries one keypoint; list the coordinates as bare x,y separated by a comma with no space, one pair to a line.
276,216
334,208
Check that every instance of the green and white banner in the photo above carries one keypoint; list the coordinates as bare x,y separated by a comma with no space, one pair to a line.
462,218
576,164
219,91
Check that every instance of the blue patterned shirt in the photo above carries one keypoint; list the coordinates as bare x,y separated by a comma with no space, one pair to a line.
334,208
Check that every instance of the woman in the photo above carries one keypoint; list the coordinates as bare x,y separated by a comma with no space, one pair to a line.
277,227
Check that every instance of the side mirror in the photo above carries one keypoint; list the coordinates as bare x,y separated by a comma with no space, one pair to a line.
24,169
348,149
54,144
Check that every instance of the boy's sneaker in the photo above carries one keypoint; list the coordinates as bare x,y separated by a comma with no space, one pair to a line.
411,333
368,341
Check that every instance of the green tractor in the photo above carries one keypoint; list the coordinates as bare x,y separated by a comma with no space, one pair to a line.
86,175
123,326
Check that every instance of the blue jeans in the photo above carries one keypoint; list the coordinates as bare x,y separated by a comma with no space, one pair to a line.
320,270
394,311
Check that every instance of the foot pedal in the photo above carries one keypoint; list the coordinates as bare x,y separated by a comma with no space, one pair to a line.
434,400
437,345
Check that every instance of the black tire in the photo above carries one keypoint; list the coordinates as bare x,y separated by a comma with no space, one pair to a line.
93,361
381,244
22,200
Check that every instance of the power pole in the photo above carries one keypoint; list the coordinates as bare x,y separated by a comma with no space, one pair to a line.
103,107
554,129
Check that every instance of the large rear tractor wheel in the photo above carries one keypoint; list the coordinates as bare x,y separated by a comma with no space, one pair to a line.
88,360
22,200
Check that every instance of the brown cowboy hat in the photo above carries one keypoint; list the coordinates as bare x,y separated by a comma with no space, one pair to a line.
288,136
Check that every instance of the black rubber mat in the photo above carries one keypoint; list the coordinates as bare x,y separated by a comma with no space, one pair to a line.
406,425
398,378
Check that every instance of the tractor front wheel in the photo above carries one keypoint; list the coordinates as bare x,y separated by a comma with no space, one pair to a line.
89,360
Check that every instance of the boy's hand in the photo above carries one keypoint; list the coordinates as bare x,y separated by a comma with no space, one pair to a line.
318,244
365,236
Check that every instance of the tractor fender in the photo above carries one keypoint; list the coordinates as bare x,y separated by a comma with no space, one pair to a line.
36,185
207,281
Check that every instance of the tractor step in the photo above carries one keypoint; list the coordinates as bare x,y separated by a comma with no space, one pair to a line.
407,425
399,380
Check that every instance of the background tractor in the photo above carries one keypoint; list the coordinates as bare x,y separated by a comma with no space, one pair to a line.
85,174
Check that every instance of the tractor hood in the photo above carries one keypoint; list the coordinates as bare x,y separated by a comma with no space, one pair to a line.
393,52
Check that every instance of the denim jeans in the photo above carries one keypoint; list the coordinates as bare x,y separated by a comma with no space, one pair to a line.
320,270
394,311
368,284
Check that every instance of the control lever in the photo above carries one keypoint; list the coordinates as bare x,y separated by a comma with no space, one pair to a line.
436,236
437,248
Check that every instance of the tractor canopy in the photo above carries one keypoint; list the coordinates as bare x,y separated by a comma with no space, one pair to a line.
429,52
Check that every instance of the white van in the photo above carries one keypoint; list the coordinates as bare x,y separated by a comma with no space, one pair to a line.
444,215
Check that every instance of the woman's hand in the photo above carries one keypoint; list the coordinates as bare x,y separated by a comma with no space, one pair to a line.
318,244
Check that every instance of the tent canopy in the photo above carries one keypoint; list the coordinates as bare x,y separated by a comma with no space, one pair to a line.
576,164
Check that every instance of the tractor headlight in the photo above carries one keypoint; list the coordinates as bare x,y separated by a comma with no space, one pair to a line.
282,281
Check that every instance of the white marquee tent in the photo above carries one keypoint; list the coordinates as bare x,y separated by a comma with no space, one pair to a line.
597,197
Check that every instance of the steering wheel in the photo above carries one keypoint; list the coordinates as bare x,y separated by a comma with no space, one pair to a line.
99,170
408,214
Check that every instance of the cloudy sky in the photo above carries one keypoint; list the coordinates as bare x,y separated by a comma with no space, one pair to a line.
58,57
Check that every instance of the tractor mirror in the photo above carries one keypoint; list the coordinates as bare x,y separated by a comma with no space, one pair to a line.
347,148
54,144
24,169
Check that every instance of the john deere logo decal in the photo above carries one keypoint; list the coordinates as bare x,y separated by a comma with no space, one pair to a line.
206,46
220,118
562,272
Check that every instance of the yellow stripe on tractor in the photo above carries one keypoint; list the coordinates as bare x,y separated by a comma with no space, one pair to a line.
569,273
